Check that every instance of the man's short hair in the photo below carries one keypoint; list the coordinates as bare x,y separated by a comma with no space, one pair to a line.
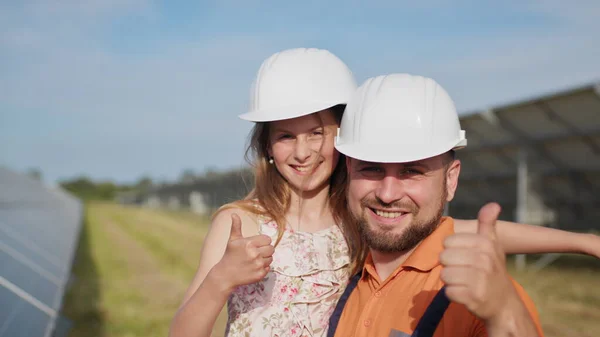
450,156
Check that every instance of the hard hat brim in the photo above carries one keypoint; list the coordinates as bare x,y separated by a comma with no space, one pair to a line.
288,112
395,153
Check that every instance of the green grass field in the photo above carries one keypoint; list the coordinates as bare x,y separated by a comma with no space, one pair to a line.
133,266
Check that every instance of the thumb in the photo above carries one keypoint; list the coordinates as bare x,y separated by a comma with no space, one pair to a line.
486,220
236,227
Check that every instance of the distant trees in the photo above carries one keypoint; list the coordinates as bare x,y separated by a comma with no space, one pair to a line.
225,187
86,189
144,184
187,176
217,187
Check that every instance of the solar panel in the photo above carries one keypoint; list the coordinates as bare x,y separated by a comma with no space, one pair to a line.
19,318
560,136
39,231
29,251
32,279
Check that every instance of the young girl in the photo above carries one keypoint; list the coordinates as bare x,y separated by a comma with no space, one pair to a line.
278,258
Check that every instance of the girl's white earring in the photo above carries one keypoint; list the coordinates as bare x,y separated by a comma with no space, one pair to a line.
270,160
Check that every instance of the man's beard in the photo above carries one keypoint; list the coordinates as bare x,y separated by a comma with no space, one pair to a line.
411,236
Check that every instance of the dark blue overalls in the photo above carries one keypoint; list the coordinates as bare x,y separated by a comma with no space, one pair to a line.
426,326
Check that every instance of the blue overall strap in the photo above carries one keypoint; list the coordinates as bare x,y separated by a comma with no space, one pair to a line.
433,315
337,312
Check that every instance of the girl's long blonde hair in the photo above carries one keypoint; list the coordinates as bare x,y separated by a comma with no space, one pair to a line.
271,195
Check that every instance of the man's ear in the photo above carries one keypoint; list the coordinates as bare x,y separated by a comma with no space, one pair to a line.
452,173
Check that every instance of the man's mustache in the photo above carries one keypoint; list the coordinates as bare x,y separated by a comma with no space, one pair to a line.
407,206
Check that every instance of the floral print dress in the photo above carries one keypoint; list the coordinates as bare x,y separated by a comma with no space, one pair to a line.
308,275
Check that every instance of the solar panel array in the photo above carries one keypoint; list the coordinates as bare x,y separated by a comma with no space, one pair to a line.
559,135
39,231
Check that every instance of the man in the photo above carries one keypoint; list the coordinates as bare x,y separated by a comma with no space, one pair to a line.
399,134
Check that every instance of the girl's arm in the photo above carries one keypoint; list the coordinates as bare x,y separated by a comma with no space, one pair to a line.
519,238
213,283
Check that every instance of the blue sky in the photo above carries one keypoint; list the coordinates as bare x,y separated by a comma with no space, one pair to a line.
117,89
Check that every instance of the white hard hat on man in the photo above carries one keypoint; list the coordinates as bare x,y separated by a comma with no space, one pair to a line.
399,118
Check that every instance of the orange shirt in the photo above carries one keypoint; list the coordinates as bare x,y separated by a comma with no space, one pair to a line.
395,306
